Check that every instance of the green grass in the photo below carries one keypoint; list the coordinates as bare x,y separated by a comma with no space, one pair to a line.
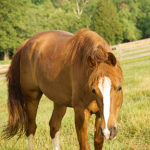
129,50
120,55
137,54
4,62
134,118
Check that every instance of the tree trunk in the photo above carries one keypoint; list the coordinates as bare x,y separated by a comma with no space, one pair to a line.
6,56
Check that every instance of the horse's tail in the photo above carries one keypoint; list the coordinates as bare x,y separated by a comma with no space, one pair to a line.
17,117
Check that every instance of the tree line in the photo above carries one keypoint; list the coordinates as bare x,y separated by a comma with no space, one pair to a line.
117,21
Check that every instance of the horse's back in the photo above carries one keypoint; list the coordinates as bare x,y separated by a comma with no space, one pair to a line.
43,65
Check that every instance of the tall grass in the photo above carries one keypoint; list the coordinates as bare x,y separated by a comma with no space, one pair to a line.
134,118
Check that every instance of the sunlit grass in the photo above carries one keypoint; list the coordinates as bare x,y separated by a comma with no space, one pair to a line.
3,62
129,50
134,118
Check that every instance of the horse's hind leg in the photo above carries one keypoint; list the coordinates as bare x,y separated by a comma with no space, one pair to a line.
32,102
55,123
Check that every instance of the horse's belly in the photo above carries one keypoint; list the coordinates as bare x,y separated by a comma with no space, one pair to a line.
59,94
58,89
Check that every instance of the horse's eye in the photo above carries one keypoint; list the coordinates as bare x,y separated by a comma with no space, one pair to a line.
119,88
93,91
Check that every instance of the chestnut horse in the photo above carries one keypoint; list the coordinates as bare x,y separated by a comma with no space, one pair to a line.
77,71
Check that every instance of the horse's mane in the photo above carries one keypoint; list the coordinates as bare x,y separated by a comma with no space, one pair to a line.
87,43
83,44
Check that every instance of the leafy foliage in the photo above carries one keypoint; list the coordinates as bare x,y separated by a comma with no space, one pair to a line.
115,20
130,31
105,21
144,20
9,16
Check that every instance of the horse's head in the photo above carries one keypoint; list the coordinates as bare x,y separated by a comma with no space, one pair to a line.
106,83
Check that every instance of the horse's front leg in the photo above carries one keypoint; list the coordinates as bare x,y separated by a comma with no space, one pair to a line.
55,123
98,138
81,122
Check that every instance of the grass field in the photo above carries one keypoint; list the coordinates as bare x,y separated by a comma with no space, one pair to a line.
134,119
3,62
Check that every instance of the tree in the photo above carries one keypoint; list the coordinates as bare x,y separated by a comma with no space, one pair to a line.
37,1
9,18
80,6
20,20
144,20
129,13
105,22
130,31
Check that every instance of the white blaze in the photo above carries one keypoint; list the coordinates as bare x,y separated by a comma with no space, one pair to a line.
105,87
30,142
55,142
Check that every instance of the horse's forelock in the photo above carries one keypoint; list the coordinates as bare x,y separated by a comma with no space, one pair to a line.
100,55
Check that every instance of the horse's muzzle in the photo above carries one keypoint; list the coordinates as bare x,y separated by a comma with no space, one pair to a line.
111,134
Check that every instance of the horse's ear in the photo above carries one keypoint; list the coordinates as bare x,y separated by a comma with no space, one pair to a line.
111,58
91,62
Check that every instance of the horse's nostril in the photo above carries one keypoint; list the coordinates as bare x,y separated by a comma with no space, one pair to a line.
113,132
